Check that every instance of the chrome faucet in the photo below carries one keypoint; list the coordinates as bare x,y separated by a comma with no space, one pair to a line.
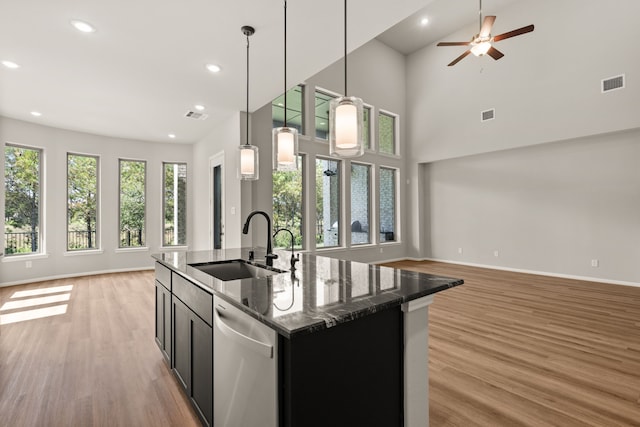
270,256
294,259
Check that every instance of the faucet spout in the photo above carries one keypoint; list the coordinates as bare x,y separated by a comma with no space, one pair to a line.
270,256
294,259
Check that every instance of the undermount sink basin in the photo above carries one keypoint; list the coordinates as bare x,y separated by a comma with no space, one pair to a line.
236,269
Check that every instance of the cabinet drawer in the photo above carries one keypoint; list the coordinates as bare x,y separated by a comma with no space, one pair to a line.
199,301
163,275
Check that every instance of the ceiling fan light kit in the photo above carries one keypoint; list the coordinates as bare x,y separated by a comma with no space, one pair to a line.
482,43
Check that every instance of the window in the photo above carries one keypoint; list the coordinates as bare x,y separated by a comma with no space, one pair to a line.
82,202
360,203
322,101
387,205
327,203
22,192
387,133
175,204
295,117
366,127
288,206
132,203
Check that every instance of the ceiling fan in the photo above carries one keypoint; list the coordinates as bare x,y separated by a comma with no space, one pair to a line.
481,43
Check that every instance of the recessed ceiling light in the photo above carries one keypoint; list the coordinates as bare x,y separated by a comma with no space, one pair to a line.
83,26
199,107
213,68
36,113
172,135
424,21
10,64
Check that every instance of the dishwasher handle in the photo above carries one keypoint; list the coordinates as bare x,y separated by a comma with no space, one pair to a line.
263,349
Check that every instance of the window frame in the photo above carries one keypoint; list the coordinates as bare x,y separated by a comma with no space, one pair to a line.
340,201
98,240
144,245
328,93
186,206
396,204
370,205
396,138
303,220
41,205
303,109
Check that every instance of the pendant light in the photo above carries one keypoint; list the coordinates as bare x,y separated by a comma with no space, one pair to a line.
346,117
285,139
249,167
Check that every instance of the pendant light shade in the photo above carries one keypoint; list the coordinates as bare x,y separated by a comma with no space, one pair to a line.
346,117
285,139
249,166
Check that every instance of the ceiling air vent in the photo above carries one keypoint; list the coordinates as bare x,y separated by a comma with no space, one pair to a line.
613,83
488,115
195,115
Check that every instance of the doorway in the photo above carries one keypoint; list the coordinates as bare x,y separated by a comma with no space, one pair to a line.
216,172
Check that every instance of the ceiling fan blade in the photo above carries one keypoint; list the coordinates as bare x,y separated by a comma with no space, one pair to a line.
459,58
513,33
453,44
495,53
487,24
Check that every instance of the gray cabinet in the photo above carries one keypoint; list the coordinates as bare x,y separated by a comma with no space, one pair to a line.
163,311
193,345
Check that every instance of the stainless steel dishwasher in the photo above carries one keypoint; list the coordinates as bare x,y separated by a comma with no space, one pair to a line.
245,369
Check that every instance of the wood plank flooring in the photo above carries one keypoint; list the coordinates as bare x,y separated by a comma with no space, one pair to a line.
512,349
96,364
506,349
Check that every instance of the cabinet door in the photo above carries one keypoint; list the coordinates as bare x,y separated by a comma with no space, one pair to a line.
163,321
202,368
182,342
160,316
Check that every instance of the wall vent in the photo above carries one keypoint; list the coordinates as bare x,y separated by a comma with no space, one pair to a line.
488,115
195,115
613,83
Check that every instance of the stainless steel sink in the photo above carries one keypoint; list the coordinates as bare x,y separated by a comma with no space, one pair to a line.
236,269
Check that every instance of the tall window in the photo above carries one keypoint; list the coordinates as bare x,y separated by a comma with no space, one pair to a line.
360,203
175,204
132,203
387,133
295,109
322,101
387,205
82,202
22,192
366,127
327,203
288,205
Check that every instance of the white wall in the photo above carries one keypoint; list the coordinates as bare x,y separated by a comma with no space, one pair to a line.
224,139
55,144
549,208
545,90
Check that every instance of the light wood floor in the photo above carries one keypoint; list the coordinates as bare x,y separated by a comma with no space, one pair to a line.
95,365
511,349
506,349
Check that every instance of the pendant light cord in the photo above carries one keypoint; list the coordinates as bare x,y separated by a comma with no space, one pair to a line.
345,47
285,63
247,111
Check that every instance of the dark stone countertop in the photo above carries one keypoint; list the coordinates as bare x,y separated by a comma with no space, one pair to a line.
322,293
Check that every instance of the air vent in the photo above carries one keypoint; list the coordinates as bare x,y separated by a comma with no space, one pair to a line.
488,115
195,115
613,83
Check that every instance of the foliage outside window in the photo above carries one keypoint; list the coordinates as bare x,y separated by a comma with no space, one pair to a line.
387,205
174,204
288,206
82,202
327,203
295,109
387,133
322,101
132,203
360,203
22,168
366,127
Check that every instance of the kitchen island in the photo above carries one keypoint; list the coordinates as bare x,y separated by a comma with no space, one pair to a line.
334,342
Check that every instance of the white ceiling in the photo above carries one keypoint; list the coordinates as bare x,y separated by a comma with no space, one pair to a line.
144,67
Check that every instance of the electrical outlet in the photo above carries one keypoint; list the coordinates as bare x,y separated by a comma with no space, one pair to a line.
27,264
460,251
595,263
496,253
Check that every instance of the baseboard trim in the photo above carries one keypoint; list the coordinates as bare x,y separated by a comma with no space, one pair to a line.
72,275
520,270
